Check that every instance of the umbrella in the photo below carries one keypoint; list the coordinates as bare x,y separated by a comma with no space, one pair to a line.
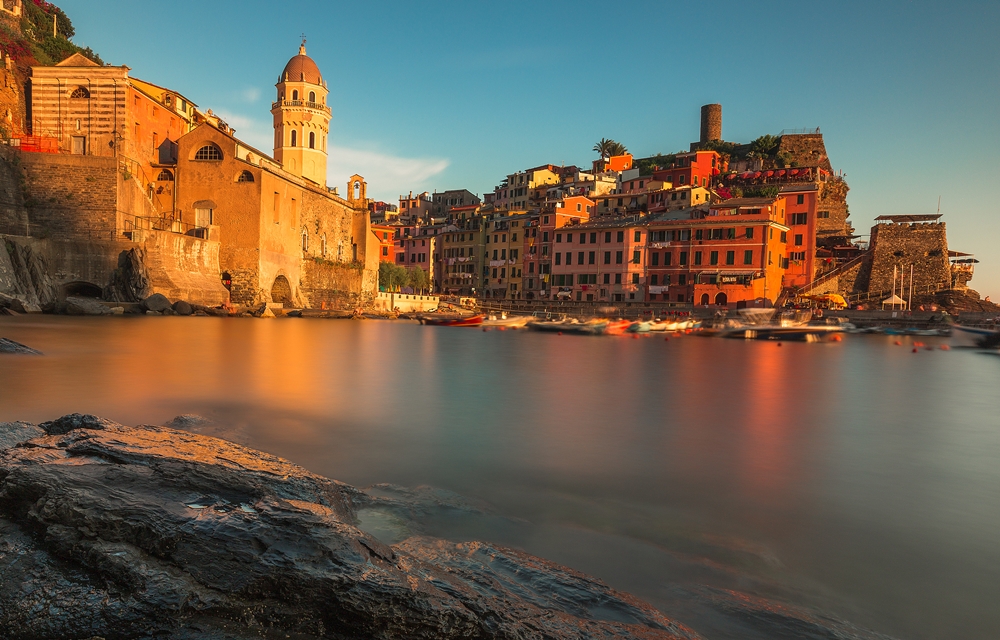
781,172
769,174
793,172
747,175
756,174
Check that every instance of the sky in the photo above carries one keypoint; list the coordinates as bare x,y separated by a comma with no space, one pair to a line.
448,95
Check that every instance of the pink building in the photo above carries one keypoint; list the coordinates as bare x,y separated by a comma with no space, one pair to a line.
600,261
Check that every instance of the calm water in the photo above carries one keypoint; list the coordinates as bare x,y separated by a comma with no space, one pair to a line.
749,491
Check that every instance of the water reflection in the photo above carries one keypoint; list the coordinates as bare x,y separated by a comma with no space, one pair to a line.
712,478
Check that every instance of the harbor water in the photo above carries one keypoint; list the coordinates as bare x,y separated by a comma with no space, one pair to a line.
749,490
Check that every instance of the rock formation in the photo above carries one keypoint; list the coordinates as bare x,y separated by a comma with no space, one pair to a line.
127,532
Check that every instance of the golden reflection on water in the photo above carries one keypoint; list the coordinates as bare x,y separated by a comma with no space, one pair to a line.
857,469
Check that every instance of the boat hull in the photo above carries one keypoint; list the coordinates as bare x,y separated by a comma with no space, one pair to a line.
974,337
473,321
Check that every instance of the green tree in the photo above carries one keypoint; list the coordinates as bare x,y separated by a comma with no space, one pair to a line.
607,148
765,146
418,279
391,276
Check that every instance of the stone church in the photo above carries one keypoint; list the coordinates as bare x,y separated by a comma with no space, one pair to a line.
214,217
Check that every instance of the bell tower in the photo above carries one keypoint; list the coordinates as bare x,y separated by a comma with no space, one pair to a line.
302,119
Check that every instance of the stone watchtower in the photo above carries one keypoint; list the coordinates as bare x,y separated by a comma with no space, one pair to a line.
302,119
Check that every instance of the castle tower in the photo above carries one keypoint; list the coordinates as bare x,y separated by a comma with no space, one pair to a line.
711,123
302,119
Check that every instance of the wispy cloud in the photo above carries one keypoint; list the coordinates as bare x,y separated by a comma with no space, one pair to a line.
250,95
388,175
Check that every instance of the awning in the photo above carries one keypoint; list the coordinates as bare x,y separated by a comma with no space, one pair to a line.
727,273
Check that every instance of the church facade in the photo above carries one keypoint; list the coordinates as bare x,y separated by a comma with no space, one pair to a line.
283,235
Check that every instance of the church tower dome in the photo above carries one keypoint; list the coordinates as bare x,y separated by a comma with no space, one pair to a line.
302,119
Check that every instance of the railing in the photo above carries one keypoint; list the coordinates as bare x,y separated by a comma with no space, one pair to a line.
302,103
792,132
133,223
904,293
829,275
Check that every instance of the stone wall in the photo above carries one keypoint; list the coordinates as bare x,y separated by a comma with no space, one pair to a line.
834,229
925,246
13,215
806,150
336,286
12,117
183,267
71,197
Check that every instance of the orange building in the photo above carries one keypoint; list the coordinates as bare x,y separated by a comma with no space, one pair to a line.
386,235
727,253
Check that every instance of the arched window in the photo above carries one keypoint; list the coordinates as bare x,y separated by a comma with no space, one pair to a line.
312,140
165,176
209,152
295,138
295,94
245,176
312,96
357,190
80,92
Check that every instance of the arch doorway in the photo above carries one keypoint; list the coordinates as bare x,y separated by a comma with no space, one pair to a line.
82,290
704,299
281,291
721,299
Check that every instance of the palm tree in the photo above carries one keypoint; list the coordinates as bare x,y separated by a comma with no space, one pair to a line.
607,148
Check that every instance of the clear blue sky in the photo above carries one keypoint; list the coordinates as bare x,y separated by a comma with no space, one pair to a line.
441,95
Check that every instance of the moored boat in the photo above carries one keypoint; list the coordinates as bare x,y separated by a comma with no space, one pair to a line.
570,325
452,321
974,337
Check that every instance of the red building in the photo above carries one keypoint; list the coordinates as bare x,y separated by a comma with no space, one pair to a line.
697,168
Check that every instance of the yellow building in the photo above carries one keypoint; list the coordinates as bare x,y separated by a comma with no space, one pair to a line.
302,119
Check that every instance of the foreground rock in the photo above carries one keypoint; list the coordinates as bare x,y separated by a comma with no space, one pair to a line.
9,346
86,307
127,532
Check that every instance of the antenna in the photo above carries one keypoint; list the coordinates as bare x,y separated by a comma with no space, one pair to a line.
939,204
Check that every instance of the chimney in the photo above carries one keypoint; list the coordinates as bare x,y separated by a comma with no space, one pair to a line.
711,122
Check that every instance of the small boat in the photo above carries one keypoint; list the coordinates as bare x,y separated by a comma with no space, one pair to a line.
512,322
640,327
616,327
570,325
757,315
452,321
974,337
800,333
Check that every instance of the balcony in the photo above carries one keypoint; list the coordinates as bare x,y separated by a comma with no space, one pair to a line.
303,104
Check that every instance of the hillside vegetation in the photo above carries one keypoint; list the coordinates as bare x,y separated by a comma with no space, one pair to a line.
31,42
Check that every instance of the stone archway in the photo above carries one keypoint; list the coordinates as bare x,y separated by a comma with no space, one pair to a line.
281,291
81,290
721,299
705,299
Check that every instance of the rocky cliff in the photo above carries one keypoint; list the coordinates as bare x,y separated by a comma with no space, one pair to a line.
128,532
